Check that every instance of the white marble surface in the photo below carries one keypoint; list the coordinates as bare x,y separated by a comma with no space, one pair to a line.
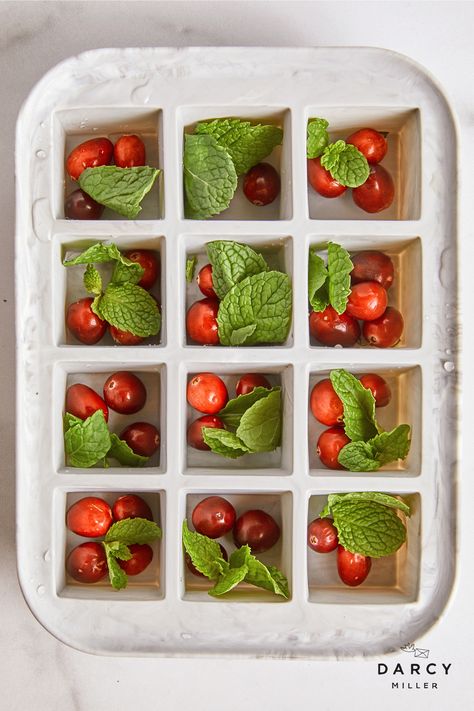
42,673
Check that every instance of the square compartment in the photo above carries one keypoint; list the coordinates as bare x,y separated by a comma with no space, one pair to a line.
392,579
277,252
154,411
70,288
406,292
403,161
74,126
148,585
279,506
404,408
276,463
240,208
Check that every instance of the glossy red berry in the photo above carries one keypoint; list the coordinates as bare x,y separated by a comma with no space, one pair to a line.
378,191
322,181
90,517
142,555
207,393
124,338
201,322
82,402
124,392
149,262
213,517
370,143
353,568
372,265
87,563
386,331
329,445
80,206
332,329
249,382
256,529
204,281
129,152
322,535
379,388
325,404
194,435
131,506
261,184
367,301
142,437
89,154
83,323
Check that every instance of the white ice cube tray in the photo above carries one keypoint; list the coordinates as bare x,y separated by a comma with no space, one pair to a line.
160,93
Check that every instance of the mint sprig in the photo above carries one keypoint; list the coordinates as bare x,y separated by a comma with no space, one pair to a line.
382,449
120,451
346,164
232,413
128,307
247,144
119,537
86,442
210,178
223,442
339,271
263,300
260,426
367,522
318,275
206,557
359,406
317,137
231,263
92,280
120,189
190,268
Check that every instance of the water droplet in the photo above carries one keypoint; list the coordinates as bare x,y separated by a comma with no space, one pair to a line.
448,351
186,635
338,345
47,556
448,366
41,590
40,153
83,123
42,124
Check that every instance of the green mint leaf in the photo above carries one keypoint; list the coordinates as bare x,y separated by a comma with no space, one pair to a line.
382,449
232,413
260,425
87,441
317,282
71,421
96,254
317,137
119,550
210,179
117,576
240,556
346,164
246,144
358,457
232,262
129,308
375,496
368,528
133,530
325,512
359,406
190,268
262,299
92,280
224,443
241,335
228,580
120,451
127,273
204,552
120,189
339,269
266,577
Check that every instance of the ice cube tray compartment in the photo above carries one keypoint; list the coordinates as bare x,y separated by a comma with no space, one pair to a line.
148,585
277,505
160,94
